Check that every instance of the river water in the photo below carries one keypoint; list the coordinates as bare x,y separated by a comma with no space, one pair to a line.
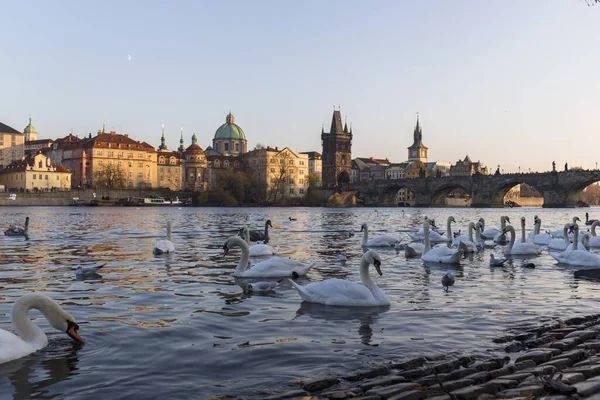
180,326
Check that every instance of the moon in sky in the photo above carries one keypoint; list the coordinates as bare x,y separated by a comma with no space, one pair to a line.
129,57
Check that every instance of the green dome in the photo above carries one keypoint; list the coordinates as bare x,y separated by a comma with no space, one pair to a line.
229,130
29,128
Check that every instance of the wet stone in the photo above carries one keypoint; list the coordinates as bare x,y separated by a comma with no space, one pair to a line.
514,347
289,395
588,388
479,377
526,364
503,339
469,392
340,394
431,379
416,373
572,377
318,384
370,384
389,391
371,373
496,385
564,331
591,345
538,371
588,371
557,335
410,364
539,341
367,398
523,336
410,395
574,355
525,391
537,356
559,363
451,386
566,344
491,364
447,366
575,321
503,371
460,373
519,376
590,361
583,335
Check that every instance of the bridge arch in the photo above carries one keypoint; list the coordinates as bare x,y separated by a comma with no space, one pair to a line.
438,197
574,192
499,198
398,195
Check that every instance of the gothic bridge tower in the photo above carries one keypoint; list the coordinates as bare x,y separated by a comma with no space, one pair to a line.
337,152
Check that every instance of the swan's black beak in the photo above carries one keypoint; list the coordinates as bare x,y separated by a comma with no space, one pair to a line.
72,331
362,228
225,250
377,265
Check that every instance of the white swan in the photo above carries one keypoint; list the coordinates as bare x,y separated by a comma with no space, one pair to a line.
88,269
30,337
519,248
584,243
491,233
559,234
258,249
470,246
560,243
416,249
524,238
500,238
537,237
341,292
164,246
594,240
377,241
443,255
434,237
261,287
577,257
274,267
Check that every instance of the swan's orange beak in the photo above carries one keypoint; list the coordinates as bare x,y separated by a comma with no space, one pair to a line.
377,265
72,332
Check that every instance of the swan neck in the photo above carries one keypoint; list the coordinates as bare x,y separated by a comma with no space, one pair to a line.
593,229
243,264
478,233
426,234
471,225
482,223
538,225
247,236
502,222
575,238
365,278
25,328
566,233
523,233
365,235
512,238
449,230
169,231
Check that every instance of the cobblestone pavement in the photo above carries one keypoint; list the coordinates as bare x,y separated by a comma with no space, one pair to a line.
556,361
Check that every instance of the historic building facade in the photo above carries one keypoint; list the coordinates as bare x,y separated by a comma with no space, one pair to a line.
12,145
195,177
229,138
35,173
170,166
337,152
417,151
315,164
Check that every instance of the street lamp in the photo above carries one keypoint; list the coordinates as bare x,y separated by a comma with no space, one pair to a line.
519,169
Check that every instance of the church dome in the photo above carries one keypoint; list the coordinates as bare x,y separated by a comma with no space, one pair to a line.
229,130
30,128
194,148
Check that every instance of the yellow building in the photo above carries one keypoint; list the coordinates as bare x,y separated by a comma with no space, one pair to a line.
35,173
12,145
169,166
284,173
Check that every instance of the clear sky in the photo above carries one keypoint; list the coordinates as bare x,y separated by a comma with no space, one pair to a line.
508,82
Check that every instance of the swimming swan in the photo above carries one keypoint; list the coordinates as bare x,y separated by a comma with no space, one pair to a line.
341,292
519,248
274,267
537,237
164,246
377,241
256,235
434,237
15,230
493,233
30,337
259,249
589,221
577,256
470,245
560,243
594,240
443,255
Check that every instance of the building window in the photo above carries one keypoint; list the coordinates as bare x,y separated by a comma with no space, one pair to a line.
120,154
217,163
130,175
301,181
100,163
161,160
172,161
13,140
272,170
57,178
99,153
46,177
111,154
237,147
291,190
140,155
34,176
40,177
130,163
129,155
301,172
140,165
301,162
291,162
140,175
301,191
1,140
226,163
120,163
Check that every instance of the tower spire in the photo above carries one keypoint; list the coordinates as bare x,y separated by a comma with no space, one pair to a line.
103,126
162,146
181,148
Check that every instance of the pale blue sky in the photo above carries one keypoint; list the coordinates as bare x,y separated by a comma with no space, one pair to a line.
512,82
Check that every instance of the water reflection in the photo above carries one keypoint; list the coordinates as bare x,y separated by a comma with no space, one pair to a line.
365,316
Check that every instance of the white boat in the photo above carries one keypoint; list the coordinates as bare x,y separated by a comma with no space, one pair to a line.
153,201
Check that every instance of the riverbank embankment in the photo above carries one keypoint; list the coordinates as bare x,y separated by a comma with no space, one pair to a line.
558,361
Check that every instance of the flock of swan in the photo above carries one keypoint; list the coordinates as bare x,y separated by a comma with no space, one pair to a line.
566,246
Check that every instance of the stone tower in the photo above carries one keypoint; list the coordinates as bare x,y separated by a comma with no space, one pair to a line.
337,152
417,151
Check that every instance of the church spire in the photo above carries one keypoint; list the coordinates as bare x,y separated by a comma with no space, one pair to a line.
162,146
181,149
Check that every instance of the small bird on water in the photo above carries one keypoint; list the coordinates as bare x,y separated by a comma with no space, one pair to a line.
448,280
341,258
266,286
496,262
88,269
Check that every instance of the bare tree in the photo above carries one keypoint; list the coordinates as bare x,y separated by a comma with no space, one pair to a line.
110,176
279,178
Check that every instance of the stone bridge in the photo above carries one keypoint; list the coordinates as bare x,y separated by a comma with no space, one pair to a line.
560,189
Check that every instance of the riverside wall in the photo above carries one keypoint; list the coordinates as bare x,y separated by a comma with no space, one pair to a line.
85,196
